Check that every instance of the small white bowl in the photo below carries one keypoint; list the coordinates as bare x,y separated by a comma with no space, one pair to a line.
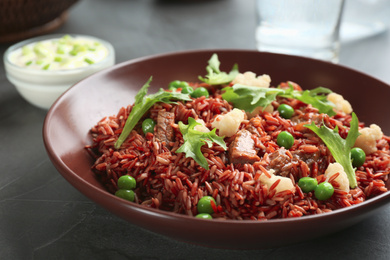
42,87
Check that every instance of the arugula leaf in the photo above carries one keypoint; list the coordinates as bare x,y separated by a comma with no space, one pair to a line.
314,97
194,140
215,76
339,147
249,97
317,91
143,103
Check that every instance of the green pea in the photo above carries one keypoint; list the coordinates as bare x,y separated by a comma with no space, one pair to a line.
285,111
200,92
307,184
148,125
126,182
358,157
204,216
204,205
175,84
187,89
125,194
285,139
324,191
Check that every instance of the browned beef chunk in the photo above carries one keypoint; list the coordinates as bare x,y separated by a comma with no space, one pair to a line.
311,158
242,149
164,130
308,158
281,162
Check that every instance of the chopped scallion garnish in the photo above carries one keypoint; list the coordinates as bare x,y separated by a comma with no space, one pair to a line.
89,61
60,50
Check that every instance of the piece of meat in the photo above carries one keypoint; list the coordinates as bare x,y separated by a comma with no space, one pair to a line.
242,149
280,162
164,130
319,158
308,158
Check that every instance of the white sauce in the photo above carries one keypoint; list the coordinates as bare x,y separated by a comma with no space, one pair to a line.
59,54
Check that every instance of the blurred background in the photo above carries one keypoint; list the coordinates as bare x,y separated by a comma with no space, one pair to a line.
228,24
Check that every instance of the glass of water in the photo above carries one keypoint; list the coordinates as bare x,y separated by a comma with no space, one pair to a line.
307,28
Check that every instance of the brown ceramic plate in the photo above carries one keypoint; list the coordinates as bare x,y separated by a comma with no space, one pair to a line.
68,121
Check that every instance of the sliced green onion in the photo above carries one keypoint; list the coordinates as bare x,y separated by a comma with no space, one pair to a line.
28,63
26,50
89,61
40,50
67,37
46,67
73,52
77,48
60,50
58,59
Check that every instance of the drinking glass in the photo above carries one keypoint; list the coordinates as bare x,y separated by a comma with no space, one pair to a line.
300,27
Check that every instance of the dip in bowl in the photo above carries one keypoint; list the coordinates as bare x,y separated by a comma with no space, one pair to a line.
43,68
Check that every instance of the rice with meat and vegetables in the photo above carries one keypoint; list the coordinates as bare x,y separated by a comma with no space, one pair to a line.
227,143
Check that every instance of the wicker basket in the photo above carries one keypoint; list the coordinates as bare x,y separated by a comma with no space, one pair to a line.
21,19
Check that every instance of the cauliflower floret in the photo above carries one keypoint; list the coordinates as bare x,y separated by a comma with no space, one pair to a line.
342,179
284,184
340,103
258,110
229,123
249,78
202,127
368,138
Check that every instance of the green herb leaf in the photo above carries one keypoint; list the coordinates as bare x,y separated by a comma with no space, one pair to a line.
215,76
249,97
339,147
194,140
143,103
315,97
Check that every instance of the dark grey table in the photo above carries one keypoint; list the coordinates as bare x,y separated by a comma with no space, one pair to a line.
44,217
